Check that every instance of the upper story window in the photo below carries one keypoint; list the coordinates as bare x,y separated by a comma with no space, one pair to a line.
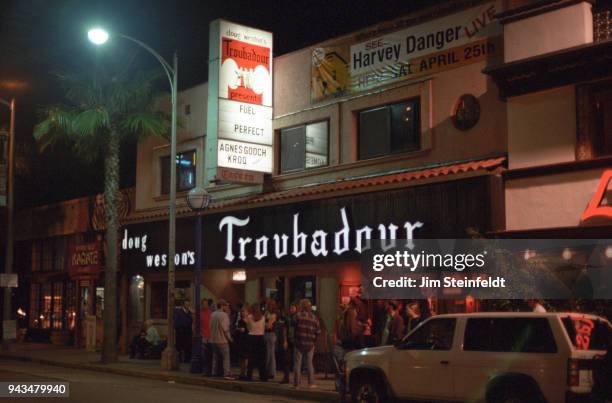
602,120
389,129
602,20
303,147
185,171
594,120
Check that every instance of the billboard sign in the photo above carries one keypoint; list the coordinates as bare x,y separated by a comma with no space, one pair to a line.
240,75
348,67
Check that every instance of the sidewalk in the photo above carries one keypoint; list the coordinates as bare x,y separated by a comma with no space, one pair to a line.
80,359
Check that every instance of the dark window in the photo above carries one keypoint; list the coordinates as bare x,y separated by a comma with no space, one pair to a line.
71,300
47,254
304,147
46,306
602,105
521,335
301,287
34,305
185,172
36,258
602,20
58,314
3,148
187,109
587,334
389,129
435,334
594,132
60,247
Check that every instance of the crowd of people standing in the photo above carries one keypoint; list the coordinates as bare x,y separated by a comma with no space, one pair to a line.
262,336
257,336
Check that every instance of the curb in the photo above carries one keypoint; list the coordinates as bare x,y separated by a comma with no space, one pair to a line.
235,386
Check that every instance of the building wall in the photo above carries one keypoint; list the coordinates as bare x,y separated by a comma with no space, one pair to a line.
549,201
542,127
190,135
441,141
532,36
439,92
68,217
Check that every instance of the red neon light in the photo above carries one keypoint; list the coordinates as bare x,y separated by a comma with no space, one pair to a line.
594,209
584,329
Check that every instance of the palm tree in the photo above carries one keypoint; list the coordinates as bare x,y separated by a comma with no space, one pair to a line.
105,105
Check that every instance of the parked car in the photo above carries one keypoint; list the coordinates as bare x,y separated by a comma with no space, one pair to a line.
486,357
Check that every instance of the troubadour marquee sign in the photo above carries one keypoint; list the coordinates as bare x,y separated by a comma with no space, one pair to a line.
319,231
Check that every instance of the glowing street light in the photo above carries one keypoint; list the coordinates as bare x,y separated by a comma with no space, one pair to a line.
99,36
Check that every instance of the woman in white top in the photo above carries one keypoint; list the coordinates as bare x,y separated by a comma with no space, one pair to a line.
257,346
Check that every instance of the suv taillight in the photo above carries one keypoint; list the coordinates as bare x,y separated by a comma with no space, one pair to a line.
573,373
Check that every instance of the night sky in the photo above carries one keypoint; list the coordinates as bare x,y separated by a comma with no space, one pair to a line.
43,37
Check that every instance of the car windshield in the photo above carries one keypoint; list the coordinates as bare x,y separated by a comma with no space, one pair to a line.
587,333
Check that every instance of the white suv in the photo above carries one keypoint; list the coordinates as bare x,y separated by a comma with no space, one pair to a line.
488,357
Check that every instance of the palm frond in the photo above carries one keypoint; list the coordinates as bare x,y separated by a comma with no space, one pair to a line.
57,123
89,121
146,123
108,96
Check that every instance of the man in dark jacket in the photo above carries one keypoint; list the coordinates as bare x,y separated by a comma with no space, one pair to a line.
394,328
182,327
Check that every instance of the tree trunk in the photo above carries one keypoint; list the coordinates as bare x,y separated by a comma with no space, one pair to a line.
111,187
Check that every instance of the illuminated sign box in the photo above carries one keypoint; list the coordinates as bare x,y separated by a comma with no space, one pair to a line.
241,138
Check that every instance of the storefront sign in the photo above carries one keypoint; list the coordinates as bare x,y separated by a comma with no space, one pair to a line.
240,176
245,122
246,156
239,276
299,243
241,68
329,230
86,255
86,260
462,38
138,243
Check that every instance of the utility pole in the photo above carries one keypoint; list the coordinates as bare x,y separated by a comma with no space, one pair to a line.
9,325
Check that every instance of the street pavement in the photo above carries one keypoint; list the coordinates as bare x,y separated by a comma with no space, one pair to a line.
96,387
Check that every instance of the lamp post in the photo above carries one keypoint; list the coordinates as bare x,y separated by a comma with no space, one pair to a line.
99,36
8,257
198,200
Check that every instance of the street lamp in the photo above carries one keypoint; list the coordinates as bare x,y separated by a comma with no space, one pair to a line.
198,200
99,36
8,257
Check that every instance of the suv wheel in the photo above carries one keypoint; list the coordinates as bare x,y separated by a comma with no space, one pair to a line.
514,393
368,390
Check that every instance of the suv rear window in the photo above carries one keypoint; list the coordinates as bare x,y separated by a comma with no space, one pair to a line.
587,334
435,334
521,335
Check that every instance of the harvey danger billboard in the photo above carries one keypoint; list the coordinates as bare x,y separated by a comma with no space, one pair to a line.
240,82
458,39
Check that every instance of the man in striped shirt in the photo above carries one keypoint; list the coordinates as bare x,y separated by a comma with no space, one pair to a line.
306,331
